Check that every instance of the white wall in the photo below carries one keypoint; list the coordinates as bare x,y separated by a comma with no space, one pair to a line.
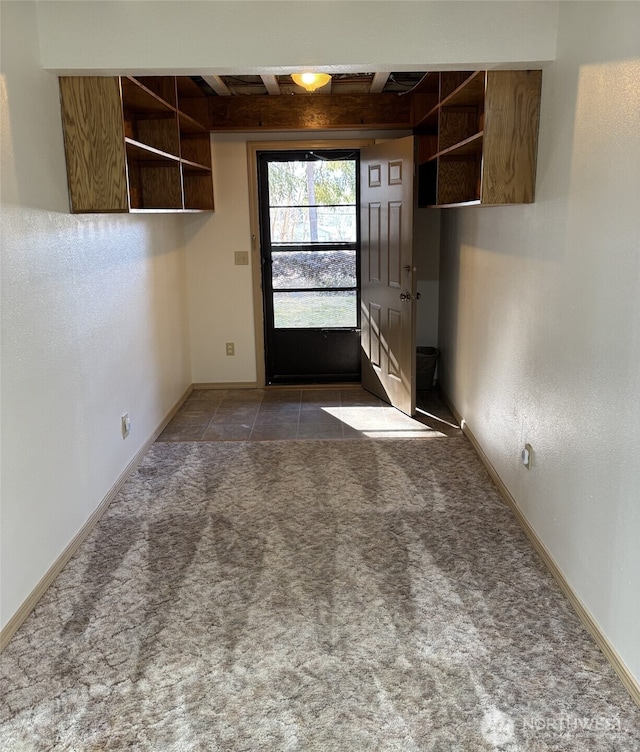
218,36
426,228
220,293
93,324
540,320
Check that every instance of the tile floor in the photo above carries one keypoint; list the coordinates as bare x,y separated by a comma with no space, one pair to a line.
303,413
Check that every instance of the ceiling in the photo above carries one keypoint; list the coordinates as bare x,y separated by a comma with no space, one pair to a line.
341,83
372,100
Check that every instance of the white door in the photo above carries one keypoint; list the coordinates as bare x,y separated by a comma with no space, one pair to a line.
388,284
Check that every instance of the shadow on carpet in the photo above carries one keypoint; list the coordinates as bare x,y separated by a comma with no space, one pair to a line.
309,595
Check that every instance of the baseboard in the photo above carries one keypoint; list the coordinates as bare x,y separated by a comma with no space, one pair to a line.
227,385
255,385
629,681
12,626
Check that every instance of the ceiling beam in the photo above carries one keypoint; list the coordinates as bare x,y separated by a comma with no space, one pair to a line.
218,85
271,83
379,82
309,112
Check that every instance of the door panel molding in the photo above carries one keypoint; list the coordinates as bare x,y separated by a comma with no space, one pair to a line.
395,172
394,337
375,317
373,265
394,235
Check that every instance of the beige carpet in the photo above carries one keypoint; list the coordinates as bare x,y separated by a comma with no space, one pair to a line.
309,595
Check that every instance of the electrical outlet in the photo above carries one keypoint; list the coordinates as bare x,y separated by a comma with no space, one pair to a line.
125,425
231,348
527,456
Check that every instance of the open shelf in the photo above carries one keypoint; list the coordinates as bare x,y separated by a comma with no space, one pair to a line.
163,87
198,191
458,205
144,153
139,98
194,168
130,145
471,145
458,179
469,92
155,185
449,81
189,125
483,149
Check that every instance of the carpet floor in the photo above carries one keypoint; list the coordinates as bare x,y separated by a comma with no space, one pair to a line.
312,596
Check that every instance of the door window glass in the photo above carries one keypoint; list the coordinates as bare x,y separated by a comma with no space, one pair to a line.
310,310
313,241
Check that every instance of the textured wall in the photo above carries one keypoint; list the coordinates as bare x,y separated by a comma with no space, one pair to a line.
426,248
540,320
221,293
93,324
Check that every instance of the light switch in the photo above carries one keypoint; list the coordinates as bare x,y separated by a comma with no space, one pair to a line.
241,258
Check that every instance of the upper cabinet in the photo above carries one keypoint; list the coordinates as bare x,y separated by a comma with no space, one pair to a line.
142,143
136,144
477,137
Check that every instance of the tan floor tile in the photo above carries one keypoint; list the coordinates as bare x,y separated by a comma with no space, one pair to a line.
318,415
314,397
318,431
211,396
284,415
182,432
263,414
227,432
274,431
235,414
356,397
276,396
243,396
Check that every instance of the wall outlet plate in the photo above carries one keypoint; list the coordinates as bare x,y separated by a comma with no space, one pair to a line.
527,456
125,425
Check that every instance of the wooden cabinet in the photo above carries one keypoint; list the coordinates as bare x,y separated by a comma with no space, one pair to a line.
136,144
477,137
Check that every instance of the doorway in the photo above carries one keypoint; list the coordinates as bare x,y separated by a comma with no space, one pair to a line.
310,264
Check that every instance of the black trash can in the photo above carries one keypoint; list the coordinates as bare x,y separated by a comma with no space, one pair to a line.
426,360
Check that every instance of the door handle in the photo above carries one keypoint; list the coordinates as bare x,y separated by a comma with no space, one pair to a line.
405,296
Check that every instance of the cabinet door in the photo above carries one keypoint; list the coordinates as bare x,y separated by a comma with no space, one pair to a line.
94,143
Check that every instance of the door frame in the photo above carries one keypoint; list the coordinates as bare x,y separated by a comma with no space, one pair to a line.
253,147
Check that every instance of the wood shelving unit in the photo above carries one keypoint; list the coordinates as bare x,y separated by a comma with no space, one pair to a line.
478,144
195,146
136,144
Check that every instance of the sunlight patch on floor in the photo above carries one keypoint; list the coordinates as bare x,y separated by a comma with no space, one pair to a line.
381,422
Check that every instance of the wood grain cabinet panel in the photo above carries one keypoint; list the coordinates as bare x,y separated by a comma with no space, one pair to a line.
478,145
94,144
130,147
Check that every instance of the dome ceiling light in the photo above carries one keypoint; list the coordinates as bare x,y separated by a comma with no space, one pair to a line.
311,81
